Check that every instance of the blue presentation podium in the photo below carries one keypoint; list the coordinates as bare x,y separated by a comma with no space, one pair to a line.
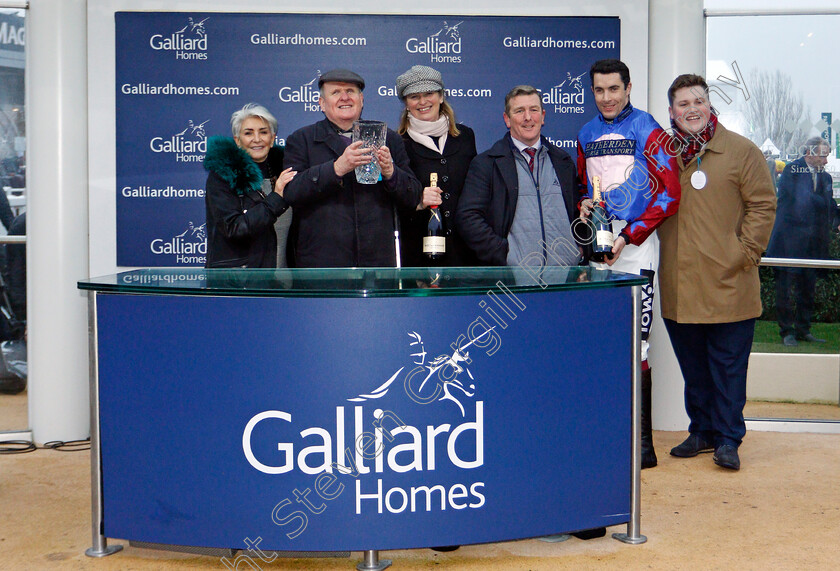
336,410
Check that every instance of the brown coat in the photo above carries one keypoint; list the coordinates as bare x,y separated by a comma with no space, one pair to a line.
710,249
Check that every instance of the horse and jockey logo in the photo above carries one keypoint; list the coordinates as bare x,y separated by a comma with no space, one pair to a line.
450,31
194,27
194,233
193,130
573,83
432,380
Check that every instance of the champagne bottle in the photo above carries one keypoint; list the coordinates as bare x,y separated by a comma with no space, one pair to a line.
602,245
434,242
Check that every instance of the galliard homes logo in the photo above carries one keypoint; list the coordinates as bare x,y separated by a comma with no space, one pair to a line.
187,146
444,46
374,459
187,43
306,94
567,96
188,248
373,472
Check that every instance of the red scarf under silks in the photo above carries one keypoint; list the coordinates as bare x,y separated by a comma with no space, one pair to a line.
692,143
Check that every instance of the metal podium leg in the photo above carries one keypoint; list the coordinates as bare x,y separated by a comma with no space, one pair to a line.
372,562
633,536
100,543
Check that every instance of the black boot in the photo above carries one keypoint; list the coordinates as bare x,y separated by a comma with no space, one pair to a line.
648,453
591,533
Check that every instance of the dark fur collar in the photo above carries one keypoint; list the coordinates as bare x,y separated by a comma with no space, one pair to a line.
235,166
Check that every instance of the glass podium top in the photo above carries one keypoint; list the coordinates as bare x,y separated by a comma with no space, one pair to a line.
355,282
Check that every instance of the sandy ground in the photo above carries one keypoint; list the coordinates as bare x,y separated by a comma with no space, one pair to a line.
781,511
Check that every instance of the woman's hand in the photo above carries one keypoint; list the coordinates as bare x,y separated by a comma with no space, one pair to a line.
431,197
283,180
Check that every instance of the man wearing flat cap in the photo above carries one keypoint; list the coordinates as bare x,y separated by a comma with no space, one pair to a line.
339,222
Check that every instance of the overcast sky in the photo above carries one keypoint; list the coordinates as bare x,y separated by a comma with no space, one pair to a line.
770,5
800,46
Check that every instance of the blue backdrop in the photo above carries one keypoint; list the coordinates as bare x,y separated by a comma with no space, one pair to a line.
179,76
537,442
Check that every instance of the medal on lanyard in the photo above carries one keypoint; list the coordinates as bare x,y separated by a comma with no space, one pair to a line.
698,177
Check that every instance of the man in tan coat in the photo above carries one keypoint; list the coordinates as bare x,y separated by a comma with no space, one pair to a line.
708,268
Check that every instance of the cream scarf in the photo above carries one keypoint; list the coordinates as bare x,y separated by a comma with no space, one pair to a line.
423,131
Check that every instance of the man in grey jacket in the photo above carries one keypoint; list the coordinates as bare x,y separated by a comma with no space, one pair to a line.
518,200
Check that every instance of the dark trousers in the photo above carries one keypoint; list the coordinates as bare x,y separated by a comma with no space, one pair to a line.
713,359
795,322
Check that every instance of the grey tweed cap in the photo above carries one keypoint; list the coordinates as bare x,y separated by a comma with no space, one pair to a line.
419,79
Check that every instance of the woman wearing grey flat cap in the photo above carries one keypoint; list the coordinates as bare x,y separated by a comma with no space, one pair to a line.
435,144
